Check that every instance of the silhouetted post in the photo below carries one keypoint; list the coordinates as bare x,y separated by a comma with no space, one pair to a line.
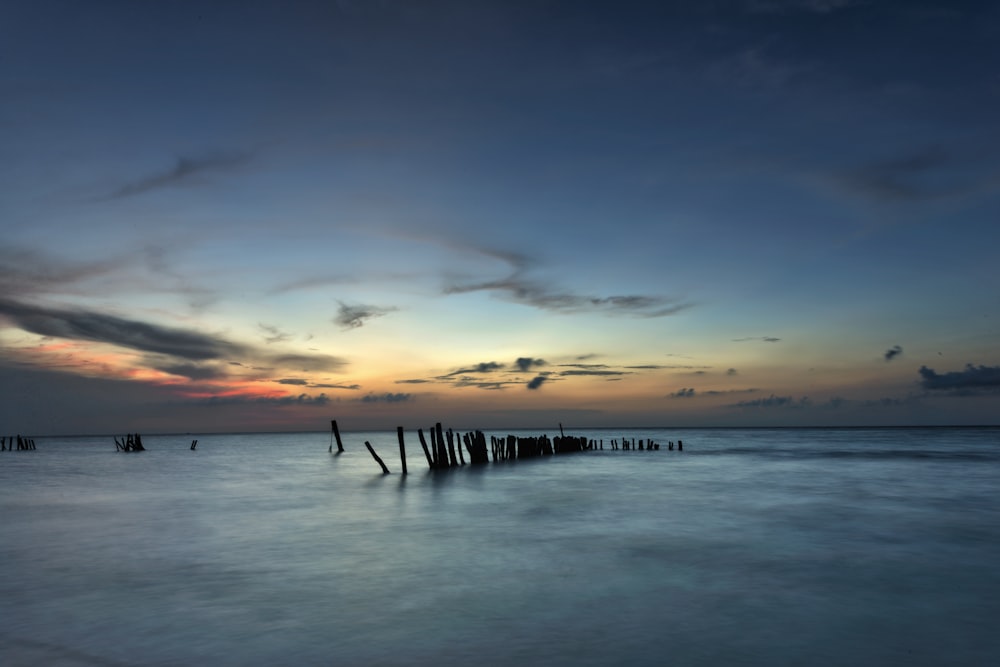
442,448
427,453
451,449
385,471
561,431
194,443
680,446
402,447
336,433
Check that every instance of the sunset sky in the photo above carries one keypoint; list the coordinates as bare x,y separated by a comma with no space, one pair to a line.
227,216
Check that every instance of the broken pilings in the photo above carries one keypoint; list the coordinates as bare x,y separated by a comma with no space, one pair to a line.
385,471
402,447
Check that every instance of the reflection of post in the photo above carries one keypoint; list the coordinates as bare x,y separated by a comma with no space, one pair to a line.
402,447
385,471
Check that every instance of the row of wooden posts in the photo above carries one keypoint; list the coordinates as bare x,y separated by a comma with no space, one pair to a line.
16,442
445,450
130,443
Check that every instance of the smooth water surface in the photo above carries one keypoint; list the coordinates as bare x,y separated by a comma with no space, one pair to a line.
750,547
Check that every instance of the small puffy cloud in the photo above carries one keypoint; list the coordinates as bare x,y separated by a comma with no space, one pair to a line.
272,334
525,364
353,317
537,382
686,392
732,371
893,352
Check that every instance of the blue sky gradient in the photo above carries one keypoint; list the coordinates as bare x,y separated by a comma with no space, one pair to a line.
253,215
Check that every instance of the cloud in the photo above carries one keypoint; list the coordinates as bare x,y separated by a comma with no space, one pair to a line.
483,367
525,364
592,372
385,398
772,401
415,381
970,381
352,317
192,371
102,328
295,381
517,288
183,344
929,174
893,352
537,381
349,387
720,392
766,339
788,6
683,393
732,371
300,399
273,334
185,170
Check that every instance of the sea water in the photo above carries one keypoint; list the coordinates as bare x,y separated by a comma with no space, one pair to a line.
749,547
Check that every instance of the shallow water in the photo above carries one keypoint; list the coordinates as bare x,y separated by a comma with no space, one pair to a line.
751,547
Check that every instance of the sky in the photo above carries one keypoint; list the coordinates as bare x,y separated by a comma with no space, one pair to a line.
245,216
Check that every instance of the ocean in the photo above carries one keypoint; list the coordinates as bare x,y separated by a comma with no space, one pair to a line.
750,547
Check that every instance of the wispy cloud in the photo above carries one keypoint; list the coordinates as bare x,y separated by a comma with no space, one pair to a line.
352,317
765,339
482,367
387,397
185,170
187,345
929,174
519,288
970,381
772,401
812,6
893,352
272,334
686,392
300,399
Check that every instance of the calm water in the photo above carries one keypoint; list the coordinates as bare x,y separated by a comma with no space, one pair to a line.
751,547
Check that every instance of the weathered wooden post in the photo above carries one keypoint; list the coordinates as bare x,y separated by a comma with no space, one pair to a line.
402,447
451,449
427,453
336,432
385,471
194,443
442,448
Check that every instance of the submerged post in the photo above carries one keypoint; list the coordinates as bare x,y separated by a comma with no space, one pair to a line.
402,447
336,433
385,471
194,443
427,453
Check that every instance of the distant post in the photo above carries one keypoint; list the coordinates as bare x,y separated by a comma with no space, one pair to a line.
336,433
385,471
402,447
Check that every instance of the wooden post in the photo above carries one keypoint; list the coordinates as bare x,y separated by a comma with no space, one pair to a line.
194,443
402,447
385,471
561,431
451,448
442,448
427,453
336,433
